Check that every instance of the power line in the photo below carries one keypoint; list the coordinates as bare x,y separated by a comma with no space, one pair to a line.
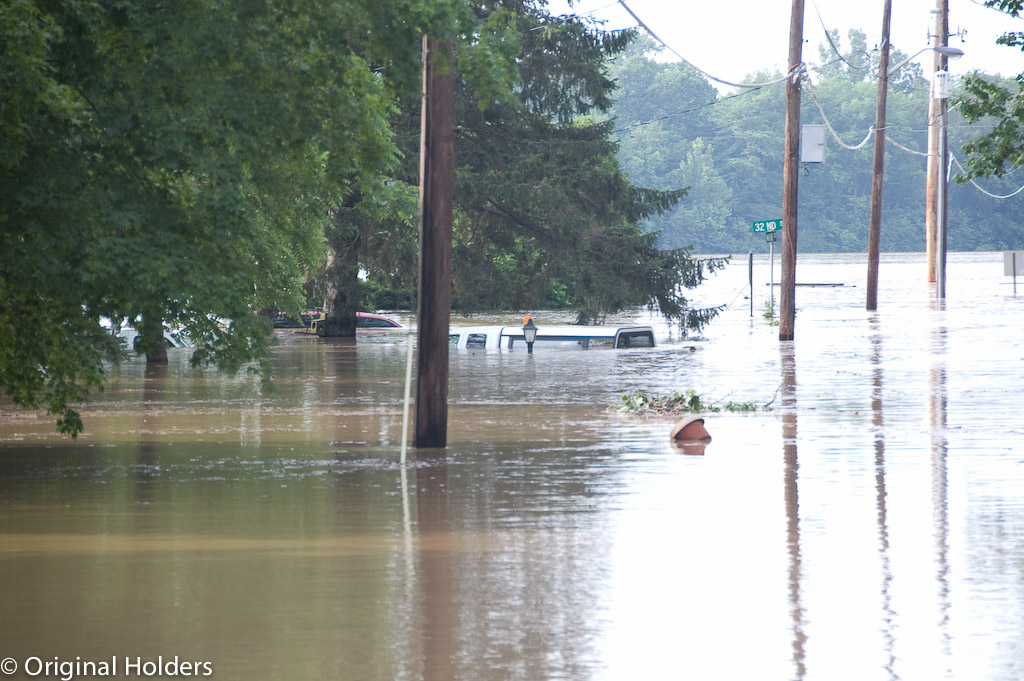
792,72
603,7
906,149
979,188
750,88
828,37
683,112
871,129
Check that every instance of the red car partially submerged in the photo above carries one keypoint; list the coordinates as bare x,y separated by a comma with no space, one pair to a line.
369,320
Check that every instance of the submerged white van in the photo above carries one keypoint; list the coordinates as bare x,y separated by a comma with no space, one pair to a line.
576,337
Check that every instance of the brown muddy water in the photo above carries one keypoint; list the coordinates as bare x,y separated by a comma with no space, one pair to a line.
867,524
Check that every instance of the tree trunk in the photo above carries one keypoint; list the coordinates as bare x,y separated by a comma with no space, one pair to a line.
342,283
151,340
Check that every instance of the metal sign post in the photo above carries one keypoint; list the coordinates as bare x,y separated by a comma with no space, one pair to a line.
769,228
1013,264
750,275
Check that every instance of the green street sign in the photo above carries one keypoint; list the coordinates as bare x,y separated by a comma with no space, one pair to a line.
770,236
764,226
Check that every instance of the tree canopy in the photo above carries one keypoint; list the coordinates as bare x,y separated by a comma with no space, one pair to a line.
177,163
544,215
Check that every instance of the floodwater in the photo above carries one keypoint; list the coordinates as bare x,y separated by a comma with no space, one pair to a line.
866,522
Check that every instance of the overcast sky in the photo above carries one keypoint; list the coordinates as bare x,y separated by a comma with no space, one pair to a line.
730,39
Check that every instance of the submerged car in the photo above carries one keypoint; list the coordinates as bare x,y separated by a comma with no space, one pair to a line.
369,320
560,336
174,338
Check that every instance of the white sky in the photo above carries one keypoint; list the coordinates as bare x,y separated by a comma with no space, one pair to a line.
730,39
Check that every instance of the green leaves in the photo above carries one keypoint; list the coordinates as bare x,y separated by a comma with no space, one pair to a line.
642,403
543,214
543,206
1001,101
179,163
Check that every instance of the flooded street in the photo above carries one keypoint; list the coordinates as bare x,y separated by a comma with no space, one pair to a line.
865,523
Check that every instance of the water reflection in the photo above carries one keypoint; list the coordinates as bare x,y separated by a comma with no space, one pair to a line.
878,422
937,400
788,405
435,573
147,468
690,447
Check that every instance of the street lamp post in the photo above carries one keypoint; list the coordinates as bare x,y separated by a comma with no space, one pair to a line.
936,194
945,51
940,91
938,157
530,334
940,35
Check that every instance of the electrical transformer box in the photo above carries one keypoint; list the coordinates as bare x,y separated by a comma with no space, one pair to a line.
812,144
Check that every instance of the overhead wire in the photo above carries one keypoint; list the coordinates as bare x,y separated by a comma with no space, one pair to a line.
791,74
602,7
567,18
835,135
906,149
828,37
890,140
979,187
717,101
684,111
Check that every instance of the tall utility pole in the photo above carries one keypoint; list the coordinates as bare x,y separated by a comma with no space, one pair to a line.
936,109
790,173
875,226
437,189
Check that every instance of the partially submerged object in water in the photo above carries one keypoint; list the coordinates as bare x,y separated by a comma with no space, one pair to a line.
690,428
689,435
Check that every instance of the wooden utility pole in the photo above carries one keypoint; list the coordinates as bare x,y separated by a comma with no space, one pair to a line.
437,188
875,225
790,173
936,109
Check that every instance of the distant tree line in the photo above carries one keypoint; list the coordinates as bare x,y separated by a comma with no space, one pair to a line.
675,130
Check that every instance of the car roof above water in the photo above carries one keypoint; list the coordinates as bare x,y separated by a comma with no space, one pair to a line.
554,336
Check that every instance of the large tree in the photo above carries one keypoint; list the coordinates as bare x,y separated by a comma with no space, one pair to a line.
176,164
544,216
